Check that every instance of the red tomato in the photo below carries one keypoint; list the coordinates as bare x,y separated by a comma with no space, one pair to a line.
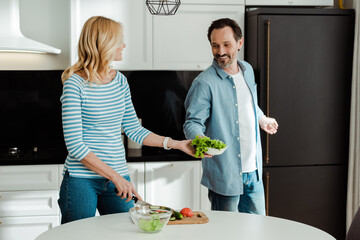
186,212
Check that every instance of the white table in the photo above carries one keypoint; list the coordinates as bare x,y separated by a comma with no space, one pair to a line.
221,225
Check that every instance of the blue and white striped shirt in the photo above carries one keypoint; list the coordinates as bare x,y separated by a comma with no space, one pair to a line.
93,116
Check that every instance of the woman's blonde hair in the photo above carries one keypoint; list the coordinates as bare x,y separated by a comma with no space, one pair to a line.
99,39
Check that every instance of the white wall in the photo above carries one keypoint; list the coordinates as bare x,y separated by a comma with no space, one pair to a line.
46,21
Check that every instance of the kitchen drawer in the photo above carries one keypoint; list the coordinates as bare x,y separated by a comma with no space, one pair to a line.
25,228
29,203
29,177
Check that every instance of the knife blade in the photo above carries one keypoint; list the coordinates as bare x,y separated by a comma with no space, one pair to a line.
136,200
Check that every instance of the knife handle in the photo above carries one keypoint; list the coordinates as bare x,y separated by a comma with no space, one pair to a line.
133,197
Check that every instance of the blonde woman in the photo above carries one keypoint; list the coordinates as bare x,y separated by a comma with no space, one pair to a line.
96,104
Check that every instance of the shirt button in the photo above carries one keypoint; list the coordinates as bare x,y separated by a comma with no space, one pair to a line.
238,155
237,121
238,138
233,86
235,104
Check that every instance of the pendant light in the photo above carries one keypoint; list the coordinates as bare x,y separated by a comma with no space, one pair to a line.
163,7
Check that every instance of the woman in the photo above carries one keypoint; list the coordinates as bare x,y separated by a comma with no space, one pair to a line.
96,104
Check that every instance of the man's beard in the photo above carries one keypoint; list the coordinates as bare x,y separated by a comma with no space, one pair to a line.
221,62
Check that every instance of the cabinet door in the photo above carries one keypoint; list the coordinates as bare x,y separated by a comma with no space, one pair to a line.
205,204
289,2
314,195
180,41
212,2
60,173
137,23
26,228
28,177
173,184
29,203
137,173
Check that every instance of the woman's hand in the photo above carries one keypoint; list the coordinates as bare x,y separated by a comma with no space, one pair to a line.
125,189
154,140
186,147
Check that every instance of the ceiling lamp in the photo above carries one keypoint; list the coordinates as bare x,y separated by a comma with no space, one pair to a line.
163,7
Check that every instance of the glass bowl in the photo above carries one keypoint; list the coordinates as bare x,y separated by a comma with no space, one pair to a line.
150,219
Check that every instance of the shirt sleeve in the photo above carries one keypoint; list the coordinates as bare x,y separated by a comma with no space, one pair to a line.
130,123
72,120
197,106
259,113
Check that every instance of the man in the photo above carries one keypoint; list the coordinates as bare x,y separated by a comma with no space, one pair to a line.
222,104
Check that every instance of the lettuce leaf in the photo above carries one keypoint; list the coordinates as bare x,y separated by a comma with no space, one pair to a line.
151,225
203,143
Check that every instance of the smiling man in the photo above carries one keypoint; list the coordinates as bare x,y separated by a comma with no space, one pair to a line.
222,104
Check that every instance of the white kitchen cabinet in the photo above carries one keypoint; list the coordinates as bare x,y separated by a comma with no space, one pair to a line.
28,177
204,198
25,228
60,174
177,42
173,184
212,2
180,41
289,2
137,176
29,193
28,200
29,203
137,23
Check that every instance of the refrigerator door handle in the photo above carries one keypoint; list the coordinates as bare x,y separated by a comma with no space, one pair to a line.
267,23
267,192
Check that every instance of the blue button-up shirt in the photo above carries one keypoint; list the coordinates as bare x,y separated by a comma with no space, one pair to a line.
211,110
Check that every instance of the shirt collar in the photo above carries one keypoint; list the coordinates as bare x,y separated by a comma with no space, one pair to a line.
222,74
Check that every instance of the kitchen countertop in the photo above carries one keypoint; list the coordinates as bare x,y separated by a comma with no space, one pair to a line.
145,154
221,225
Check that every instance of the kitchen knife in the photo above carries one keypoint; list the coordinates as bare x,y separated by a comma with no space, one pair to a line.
136,200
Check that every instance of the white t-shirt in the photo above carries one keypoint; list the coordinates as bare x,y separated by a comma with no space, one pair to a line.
246,124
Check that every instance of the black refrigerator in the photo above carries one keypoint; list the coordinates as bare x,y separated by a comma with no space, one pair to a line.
302,60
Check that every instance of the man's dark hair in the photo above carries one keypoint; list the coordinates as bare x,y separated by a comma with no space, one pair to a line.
225,22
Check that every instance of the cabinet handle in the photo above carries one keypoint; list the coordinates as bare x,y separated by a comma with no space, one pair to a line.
267,23
267,192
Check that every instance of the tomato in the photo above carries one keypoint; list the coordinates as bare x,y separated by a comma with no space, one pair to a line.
187,212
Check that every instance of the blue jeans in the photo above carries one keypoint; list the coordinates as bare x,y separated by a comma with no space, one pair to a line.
251,201
79,198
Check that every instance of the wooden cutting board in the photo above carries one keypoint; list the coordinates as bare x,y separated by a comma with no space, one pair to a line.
198,218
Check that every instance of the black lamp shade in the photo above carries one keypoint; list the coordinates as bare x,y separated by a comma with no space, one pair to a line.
163,7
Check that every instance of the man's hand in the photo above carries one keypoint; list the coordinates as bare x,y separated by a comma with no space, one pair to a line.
269,125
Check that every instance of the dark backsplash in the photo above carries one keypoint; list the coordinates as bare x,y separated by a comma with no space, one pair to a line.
30,122
31,110
158,98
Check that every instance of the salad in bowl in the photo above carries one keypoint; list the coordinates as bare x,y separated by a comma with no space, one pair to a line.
208,146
